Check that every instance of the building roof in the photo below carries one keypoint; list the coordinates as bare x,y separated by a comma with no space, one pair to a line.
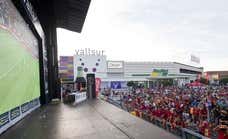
187,65
157,62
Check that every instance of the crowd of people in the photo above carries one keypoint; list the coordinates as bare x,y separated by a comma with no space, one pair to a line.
203,110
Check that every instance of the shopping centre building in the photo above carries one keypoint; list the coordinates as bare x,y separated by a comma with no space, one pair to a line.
116,74
150,73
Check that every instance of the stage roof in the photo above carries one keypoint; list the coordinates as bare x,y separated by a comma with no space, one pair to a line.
68,14
71,14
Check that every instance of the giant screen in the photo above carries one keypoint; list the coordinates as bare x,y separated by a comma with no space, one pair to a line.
19,64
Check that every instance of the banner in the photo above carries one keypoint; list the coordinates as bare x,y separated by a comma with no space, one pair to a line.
66,67
116,85
98,84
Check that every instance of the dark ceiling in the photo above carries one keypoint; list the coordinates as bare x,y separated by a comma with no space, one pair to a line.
68,14
71,14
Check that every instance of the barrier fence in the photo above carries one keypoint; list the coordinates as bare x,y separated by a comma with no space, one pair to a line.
184,133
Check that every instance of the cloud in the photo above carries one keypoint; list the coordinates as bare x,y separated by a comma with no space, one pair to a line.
151,30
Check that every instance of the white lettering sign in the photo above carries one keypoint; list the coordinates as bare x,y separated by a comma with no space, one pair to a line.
195,59
115,64
89,52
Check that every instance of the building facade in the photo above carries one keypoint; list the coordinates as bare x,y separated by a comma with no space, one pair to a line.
118,73
215,76
150,73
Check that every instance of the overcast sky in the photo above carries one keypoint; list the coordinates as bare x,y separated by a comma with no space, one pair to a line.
154,30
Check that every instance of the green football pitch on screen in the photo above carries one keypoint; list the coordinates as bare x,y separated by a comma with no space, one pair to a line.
19,73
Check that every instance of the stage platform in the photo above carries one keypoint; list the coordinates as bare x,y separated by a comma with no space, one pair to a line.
89,120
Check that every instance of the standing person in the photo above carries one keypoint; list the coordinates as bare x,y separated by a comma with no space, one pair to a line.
222,131
222,127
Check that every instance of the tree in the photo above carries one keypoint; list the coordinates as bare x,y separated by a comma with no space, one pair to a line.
130,84
203,80
167,82
223,81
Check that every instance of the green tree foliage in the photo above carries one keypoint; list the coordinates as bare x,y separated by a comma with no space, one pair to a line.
130,84
224,81
203,80
167,82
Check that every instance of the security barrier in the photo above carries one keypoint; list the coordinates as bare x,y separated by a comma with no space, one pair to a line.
188,134
178,131
118,104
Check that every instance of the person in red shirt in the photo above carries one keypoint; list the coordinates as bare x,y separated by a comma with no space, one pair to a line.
203,126
222,131
195,113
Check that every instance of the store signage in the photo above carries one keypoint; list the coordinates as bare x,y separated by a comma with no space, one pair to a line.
115,64
89,52
159,72
195,59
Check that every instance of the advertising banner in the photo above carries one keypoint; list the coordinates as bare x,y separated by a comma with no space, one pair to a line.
116,85
66,67
98,84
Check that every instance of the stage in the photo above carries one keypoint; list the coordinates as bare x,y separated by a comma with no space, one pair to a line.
89,120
